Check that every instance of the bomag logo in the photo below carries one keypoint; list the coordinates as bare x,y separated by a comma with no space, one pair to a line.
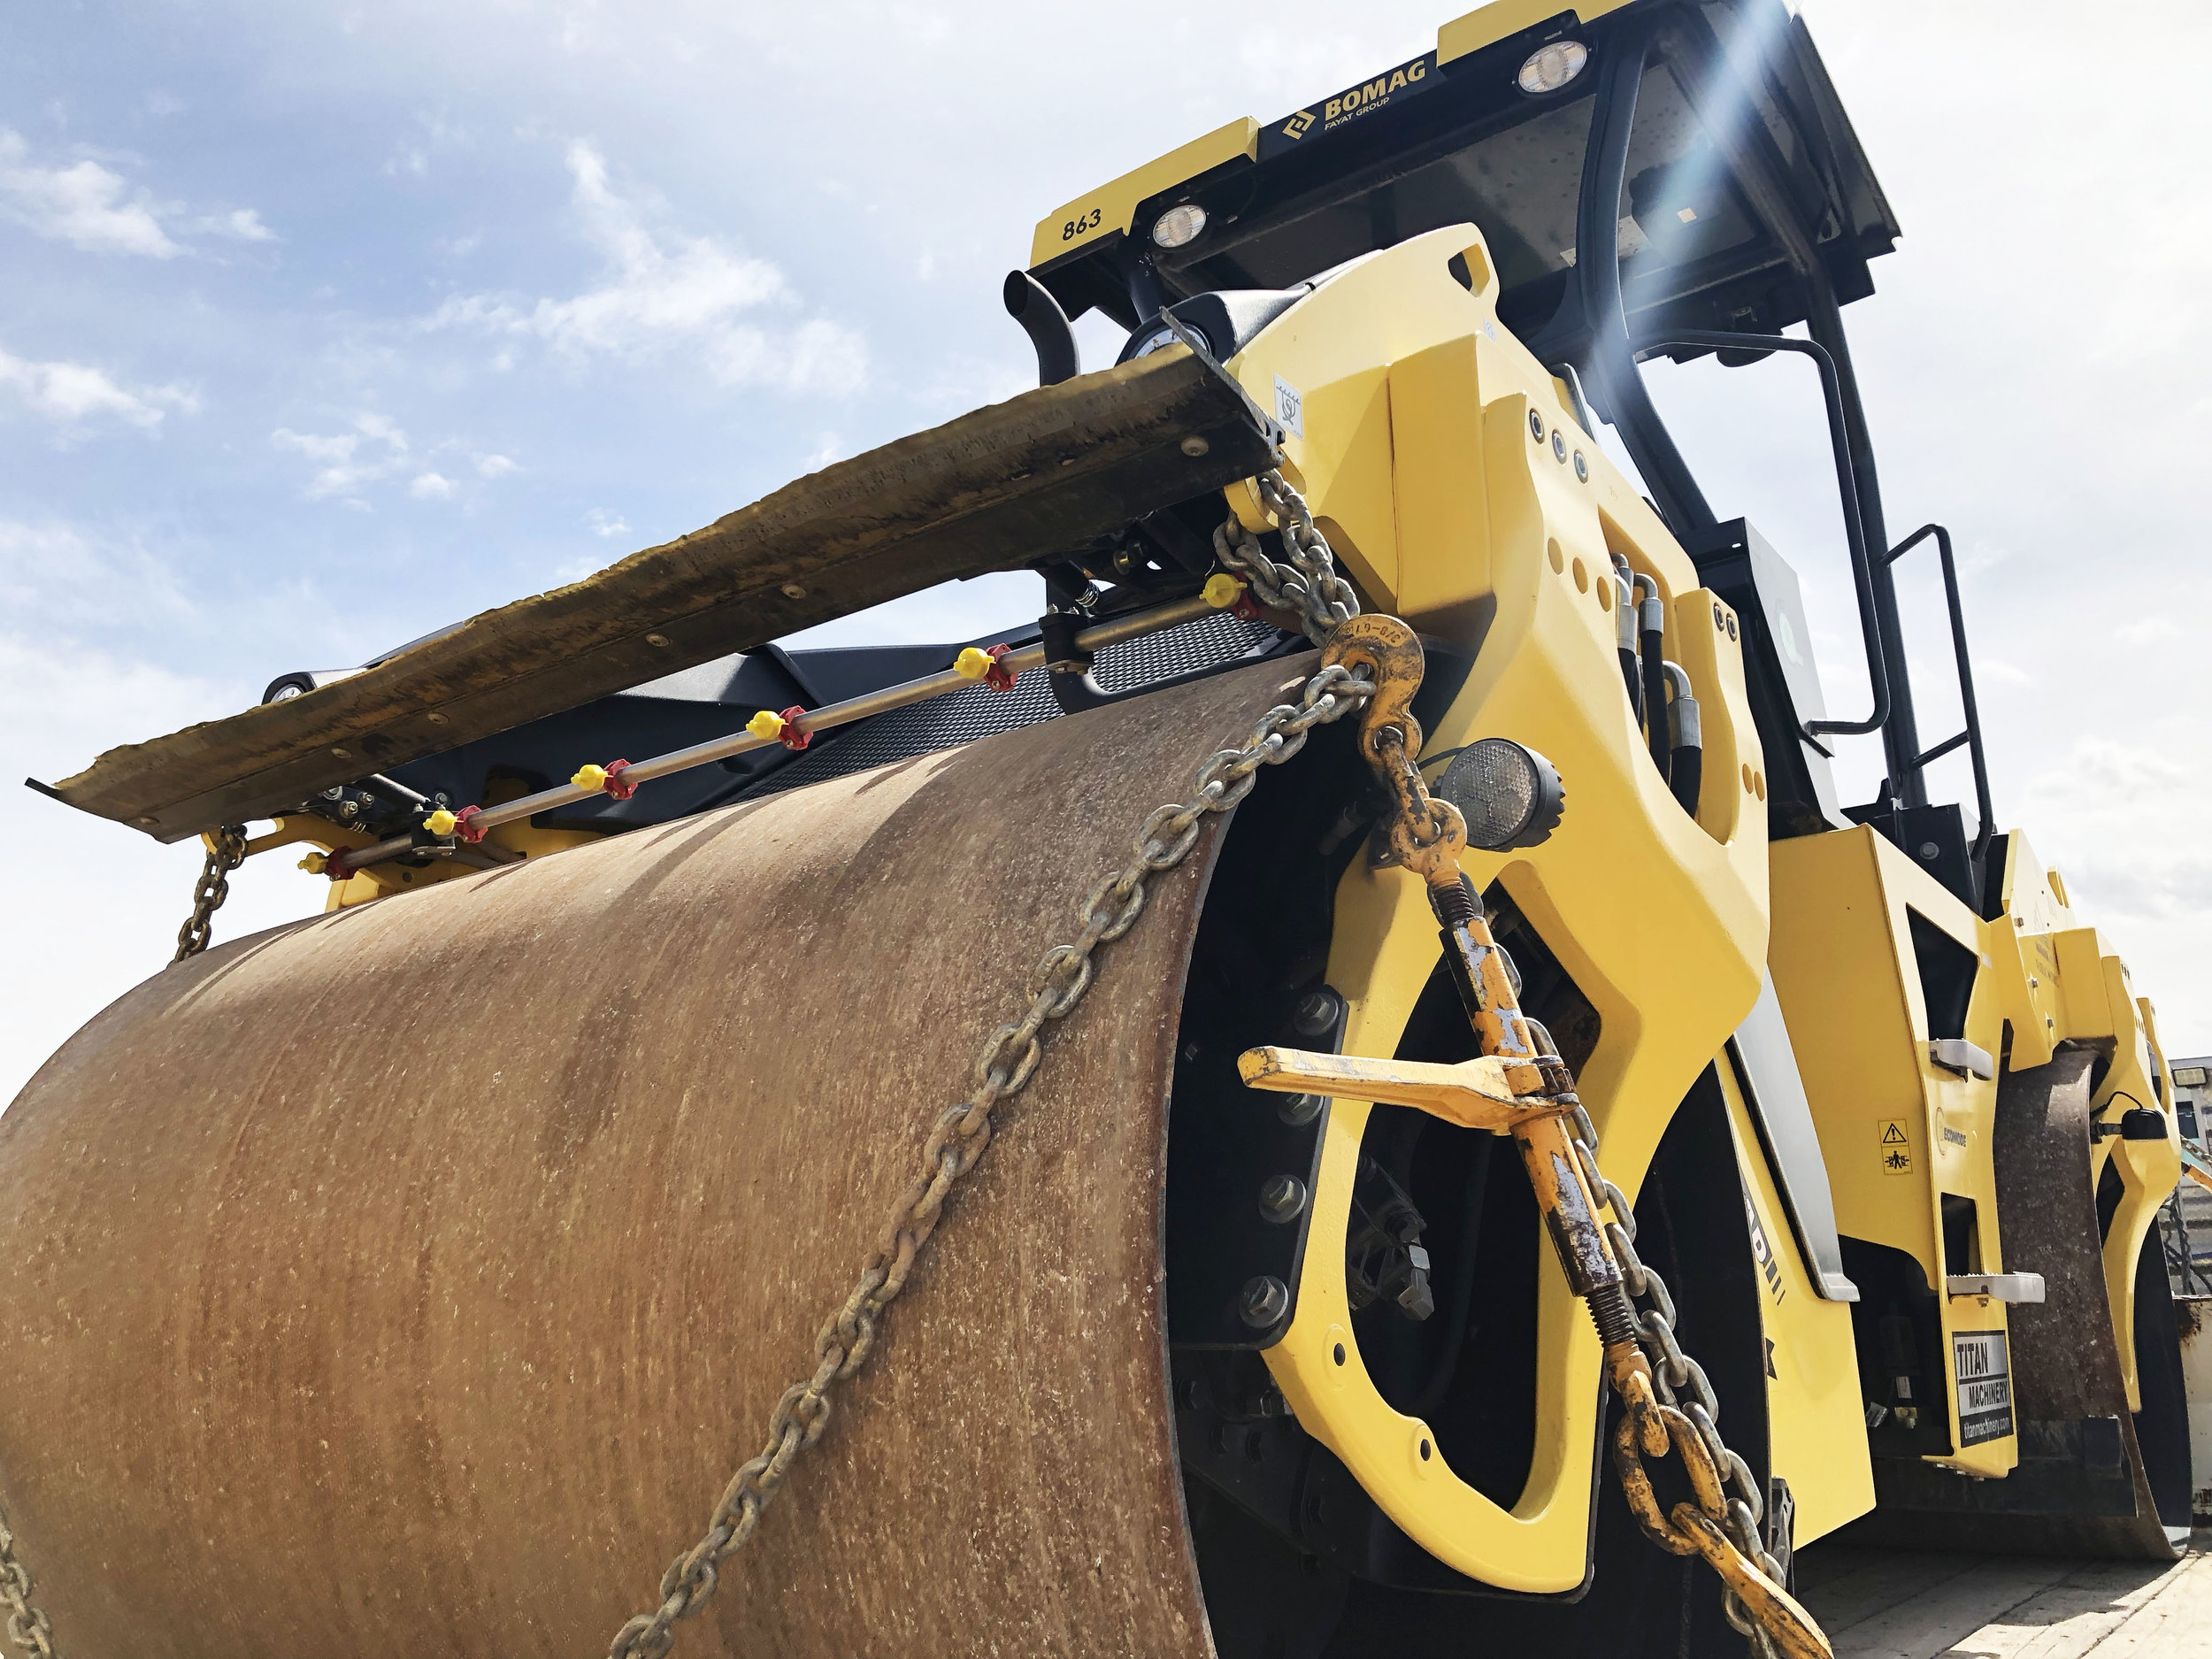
1296,127
1358,100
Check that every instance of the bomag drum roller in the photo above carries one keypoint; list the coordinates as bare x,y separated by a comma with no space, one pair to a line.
1353,1089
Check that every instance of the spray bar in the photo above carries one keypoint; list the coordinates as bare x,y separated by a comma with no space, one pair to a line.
471,823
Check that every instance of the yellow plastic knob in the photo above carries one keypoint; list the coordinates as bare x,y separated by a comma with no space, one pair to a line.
441,822
972,664
315,864
593,778
1221,590
766,725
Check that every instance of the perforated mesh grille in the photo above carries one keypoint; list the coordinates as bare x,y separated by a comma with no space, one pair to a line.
962,717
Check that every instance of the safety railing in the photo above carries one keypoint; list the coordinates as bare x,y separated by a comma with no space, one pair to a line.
1971,736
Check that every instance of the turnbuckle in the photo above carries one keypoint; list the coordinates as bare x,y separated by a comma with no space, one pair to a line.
1520,1088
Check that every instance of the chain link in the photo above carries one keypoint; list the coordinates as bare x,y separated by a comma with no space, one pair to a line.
1304,584
1308,585
225,851
1681,1382
1009,1058
28,1627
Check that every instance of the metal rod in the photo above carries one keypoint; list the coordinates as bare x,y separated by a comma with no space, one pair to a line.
1116,631
1597,276
1928,757
378,852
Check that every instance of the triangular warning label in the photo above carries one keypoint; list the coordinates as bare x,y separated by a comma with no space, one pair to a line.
1892,1134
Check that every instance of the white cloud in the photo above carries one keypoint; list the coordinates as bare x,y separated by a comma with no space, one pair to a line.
57,578
2090,809
375,449
241,223
605,523
372,448
411,152
71,393
82,204
665,290
2151,631
94,209
107,902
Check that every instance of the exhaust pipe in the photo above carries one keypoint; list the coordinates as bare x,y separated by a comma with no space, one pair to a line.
1031,305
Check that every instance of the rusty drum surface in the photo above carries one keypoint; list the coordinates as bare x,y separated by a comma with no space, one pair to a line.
410,1279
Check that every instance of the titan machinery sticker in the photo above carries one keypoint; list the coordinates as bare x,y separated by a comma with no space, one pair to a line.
1984,1374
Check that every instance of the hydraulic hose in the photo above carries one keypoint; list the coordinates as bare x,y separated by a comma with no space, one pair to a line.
1652,622
1625,627
1685,740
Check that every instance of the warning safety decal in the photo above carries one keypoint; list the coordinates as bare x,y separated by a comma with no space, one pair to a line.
1984,1374
1895,1147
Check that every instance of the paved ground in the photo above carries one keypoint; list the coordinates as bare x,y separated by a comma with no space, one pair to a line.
1884,1604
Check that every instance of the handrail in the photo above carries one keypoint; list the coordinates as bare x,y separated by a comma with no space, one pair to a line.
1972,735
1847,488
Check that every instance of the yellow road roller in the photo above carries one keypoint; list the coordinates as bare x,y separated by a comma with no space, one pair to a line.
1354,1090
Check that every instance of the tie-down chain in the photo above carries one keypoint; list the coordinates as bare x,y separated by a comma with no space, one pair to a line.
1521,1085
1516,1086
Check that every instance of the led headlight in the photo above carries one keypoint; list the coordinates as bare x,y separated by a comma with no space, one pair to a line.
1551,67
1509,795
1179,225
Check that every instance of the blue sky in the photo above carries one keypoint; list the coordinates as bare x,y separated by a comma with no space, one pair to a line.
325,325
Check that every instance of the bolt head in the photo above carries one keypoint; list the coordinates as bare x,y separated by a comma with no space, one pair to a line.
1316,1012
1535,426
1298,1110
1282,1199
1194,446
1265,1302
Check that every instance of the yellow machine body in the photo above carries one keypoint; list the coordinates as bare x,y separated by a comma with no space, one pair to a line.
2064,981
1456,485
1900,1133
1462,487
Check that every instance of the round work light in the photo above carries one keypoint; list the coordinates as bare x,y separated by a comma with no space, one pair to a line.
1509,795
1180,226
1551,67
